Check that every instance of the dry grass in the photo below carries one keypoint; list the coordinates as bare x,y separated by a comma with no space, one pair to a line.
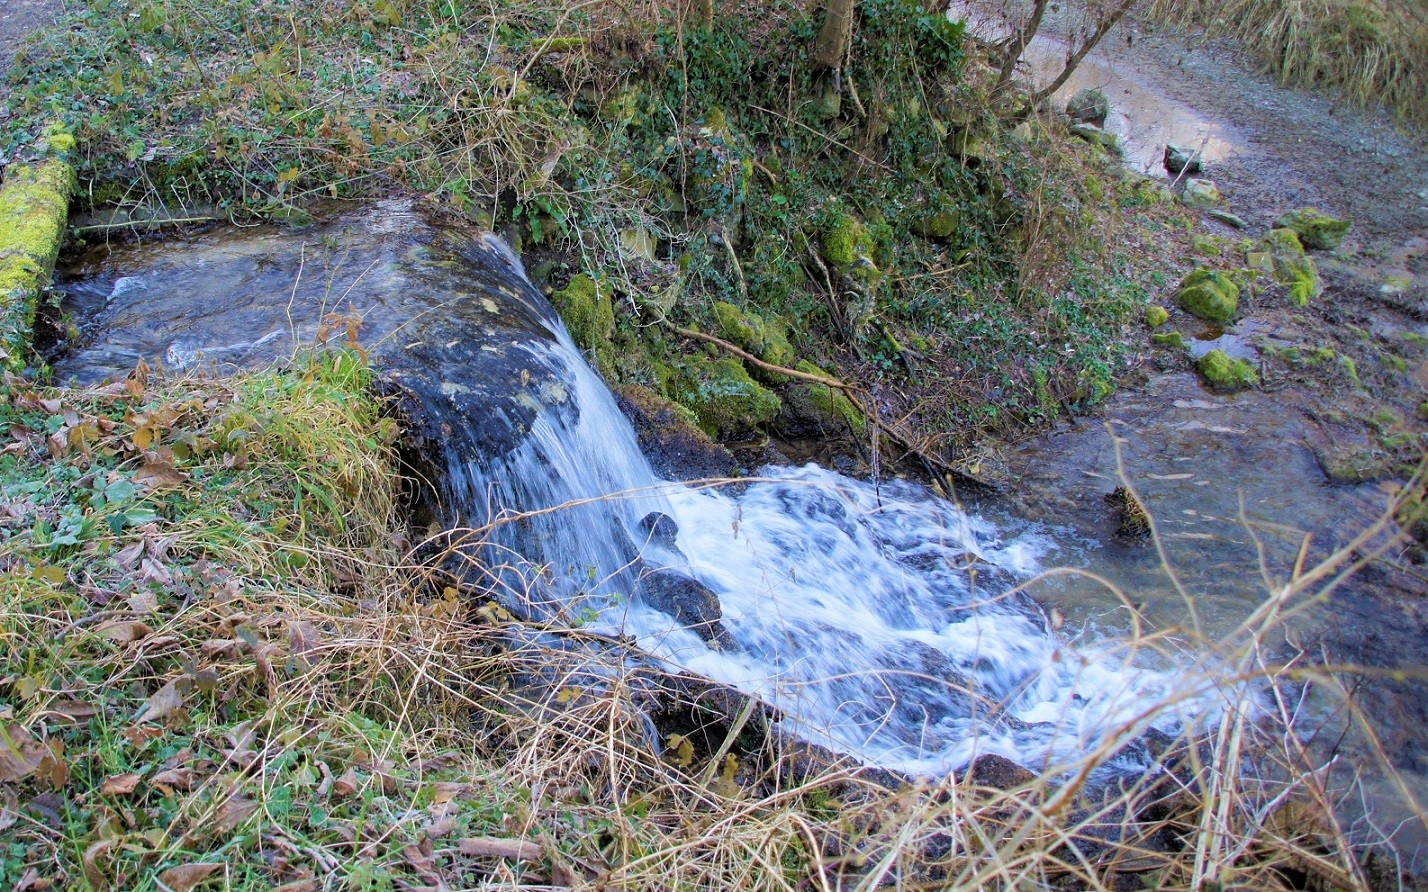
350,719
1374,52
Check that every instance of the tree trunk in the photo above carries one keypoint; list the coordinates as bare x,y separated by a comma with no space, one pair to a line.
1016,45
704,13
832,43
1074,59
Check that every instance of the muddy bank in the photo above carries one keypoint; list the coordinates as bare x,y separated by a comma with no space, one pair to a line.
1237,483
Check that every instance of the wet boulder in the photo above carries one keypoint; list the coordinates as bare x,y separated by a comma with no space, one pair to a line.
670,437
1210,295
1315,229
690,602
1089,106
1179,159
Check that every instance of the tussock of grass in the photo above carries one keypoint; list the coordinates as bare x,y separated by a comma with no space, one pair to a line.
1374,52
219,667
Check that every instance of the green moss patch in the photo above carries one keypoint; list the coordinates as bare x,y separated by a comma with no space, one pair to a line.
1315,228
1209,295
1223,372
589,314
1283,255
34,204
1156,316
765,337
827,407
721,393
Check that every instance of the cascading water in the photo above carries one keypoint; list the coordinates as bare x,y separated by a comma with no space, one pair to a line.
885,622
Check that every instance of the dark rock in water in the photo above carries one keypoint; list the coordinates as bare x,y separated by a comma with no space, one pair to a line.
659,529
688,600
1089,106
1132,520
671,438
1179,159
998,772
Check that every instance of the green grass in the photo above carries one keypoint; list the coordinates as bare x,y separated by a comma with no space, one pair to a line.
220,667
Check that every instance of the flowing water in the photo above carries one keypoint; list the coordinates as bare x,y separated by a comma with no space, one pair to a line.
884,621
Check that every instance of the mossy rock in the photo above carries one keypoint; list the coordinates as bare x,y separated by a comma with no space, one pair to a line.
840,237
1289,265
819,409
1156,316
34,202
721,393
1315,228
1201,194
1089,105
1167,339
1210,295
670,436
765,337
589,314
1223,372
935,224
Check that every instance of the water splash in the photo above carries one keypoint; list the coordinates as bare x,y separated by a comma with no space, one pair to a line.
884,621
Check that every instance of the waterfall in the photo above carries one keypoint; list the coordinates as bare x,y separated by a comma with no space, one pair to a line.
883,621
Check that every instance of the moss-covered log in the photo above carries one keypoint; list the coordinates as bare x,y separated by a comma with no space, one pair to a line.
34,202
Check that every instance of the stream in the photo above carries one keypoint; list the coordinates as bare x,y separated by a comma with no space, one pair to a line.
885,622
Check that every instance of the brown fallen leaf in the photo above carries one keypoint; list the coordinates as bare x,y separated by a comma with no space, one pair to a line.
173,779
151,570
128,556
72,711
164,701
20,754
231,815
347,784
186,876
126,631
302,637
495,847
297,886
92,871
158,471
120,784
9,807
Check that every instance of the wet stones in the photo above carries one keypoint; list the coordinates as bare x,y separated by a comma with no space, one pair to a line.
690,602
1088,106
1315,229
1200,194
1225,373
1179,159
1210,295
670,437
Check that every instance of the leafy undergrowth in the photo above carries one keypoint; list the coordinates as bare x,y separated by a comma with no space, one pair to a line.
221,670
988,279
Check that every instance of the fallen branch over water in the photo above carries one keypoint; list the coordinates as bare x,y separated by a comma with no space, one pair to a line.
860,397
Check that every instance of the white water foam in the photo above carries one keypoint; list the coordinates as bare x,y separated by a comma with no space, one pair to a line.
884,621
